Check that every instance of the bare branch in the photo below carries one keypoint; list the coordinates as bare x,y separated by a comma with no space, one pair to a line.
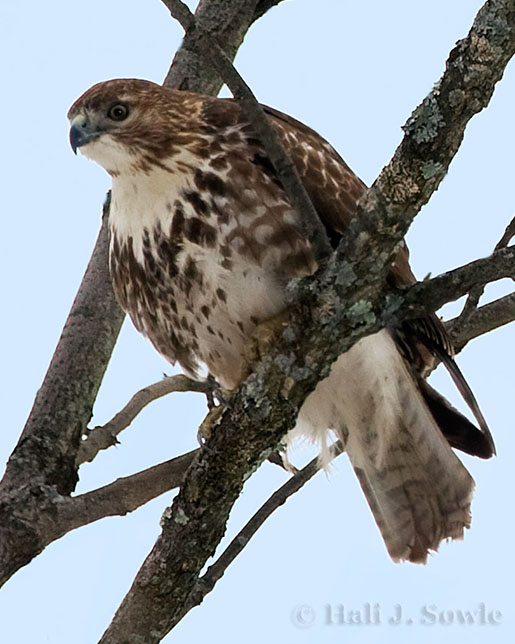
215,572
100,438
432,136
228,21
214,55
484,319
477,291
336,308
47,449
123,495
508,235
430,295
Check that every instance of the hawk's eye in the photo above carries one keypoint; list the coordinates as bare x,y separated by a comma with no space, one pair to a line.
118,112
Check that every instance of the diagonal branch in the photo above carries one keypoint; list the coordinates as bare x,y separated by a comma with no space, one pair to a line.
228,21
432,136
477,291
484,319
216,571
63,406
100,438
351,290
508,235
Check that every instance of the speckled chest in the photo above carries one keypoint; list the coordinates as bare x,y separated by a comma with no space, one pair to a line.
198,259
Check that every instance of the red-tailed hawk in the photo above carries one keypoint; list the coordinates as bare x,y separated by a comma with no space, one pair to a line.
203,243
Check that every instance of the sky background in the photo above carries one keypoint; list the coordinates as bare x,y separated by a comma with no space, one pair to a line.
353,71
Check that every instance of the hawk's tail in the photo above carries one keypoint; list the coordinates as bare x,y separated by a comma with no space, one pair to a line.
417,489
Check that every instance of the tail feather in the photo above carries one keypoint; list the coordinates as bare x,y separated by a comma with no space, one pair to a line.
418,490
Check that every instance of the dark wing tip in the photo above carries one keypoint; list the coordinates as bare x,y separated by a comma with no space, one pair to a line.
456,428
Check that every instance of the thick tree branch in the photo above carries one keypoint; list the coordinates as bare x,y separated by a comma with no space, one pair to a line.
100,438
348,304
229,22
47,448
432,137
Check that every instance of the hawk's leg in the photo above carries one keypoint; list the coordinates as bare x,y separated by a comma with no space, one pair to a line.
215,411
206,426
263,339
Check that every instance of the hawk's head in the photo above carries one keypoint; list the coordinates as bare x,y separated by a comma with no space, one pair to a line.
129,122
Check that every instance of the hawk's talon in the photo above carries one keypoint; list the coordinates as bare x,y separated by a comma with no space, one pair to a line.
205,429
265,336
216,391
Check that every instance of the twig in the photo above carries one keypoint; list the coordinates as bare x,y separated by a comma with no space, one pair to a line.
508,235
105,436
215,572
477,291
215,56
484,319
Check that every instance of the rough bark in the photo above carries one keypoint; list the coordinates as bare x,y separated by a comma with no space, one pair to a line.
228,22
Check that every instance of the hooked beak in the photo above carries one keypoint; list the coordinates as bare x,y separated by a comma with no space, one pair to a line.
82,132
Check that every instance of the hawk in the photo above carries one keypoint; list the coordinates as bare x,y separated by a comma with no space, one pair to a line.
203,242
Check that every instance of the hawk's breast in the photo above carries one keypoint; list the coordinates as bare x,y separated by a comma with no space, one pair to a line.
200,254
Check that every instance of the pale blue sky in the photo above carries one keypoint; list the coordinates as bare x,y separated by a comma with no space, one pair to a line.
353,71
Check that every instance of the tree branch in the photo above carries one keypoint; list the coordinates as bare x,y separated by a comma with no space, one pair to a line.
430,295
122,496
100,438
216,571
483,320
348,304
477,291
229,22
432,136
508,235
47,449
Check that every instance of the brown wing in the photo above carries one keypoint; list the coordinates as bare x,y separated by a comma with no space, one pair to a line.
335,191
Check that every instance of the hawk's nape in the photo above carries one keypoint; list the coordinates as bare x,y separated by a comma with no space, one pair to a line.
203,243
